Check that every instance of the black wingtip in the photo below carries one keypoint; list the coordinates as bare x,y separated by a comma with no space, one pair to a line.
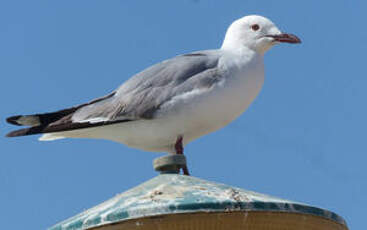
13,120
26,131
15,133
10,134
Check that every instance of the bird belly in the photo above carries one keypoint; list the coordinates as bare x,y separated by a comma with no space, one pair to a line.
221,106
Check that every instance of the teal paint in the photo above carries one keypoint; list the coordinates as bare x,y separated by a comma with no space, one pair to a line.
173,193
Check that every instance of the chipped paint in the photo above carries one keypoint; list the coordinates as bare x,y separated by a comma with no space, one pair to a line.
173,193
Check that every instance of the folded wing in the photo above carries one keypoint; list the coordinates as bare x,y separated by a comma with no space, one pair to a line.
138,98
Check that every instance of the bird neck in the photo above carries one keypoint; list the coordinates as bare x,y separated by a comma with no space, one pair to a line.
237,48
240,51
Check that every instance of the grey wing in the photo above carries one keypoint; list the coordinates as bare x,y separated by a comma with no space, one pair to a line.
138,98
141,96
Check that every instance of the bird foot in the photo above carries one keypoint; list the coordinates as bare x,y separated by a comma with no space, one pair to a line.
180,150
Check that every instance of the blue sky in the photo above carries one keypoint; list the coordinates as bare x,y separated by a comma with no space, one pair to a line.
303,139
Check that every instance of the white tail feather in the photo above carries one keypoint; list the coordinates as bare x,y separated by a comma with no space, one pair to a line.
50,137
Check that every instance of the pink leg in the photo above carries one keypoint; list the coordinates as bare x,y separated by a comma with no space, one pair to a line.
180,150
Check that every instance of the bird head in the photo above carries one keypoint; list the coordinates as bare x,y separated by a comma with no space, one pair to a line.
256,33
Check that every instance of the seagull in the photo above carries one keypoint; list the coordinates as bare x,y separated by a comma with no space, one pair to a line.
174,102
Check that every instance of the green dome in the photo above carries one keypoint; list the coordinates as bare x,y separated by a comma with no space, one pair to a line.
177,194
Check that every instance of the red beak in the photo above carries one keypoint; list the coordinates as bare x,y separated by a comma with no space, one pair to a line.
288,38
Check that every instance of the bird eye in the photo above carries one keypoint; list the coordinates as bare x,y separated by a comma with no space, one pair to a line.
255,27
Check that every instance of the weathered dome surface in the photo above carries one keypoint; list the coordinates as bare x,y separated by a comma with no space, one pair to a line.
174,194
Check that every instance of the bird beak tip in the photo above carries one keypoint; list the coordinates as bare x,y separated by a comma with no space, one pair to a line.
286,38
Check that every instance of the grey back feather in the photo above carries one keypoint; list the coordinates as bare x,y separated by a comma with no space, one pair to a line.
141,96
